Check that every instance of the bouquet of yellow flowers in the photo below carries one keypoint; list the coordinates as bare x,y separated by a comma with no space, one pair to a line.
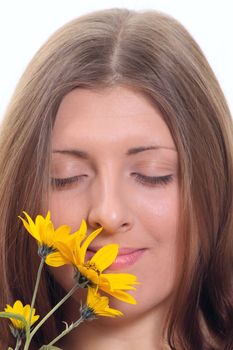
58,247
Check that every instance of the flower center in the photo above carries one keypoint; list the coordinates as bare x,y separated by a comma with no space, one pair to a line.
92,266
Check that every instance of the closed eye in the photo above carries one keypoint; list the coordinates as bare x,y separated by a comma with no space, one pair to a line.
59,183
153,180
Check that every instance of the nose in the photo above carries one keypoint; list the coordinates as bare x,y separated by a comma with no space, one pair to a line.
109,208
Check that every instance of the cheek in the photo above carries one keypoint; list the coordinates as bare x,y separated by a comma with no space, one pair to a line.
160,214
64,275
159,221
67,208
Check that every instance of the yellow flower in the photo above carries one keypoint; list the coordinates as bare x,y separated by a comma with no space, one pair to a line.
92,270
45,234
21,310
98,305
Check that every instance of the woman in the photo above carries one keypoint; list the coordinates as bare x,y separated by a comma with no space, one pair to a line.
120,120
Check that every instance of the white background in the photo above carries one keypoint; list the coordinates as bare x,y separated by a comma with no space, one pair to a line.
26,24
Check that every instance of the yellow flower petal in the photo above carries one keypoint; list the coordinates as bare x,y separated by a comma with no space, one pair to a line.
46,229
47,237
99,305
26,312
34,318
56,259
89,273
62,232
105,256
121,280
83,229
65,248
119,294
18,307
31,227
21,310
87,242
48,217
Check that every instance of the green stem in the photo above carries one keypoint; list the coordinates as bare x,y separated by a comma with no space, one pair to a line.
66,331
36,287
75,287
18,343
33,302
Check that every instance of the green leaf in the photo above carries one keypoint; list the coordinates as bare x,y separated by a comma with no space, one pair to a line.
12,315
49,347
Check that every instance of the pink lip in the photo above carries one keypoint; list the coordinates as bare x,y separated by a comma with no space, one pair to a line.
125,258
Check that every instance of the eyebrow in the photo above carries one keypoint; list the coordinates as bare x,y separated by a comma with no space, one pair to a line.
135,150
73,152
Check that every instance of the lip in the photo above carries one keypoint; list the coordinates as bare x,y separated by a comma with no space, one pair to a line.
125,258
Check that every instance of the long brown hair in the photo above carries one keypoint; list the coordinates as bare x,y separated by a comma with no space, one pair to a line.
154,54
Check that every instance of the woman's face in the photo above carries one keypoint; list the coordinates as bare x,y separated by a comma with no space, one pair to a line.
114,164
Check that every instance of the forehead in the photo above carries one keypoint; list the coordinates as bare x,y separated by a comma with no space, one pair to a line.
112,116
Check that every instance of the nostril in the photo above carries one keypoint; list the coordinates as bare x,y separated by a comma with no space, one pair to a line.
96,225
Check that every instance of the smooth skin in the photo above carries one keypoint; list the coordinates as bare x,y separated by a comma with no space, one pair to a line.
115,164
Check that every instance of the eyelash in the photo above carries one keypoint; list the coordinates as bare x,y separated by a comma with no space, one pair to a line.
153,180
143,179
60,183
